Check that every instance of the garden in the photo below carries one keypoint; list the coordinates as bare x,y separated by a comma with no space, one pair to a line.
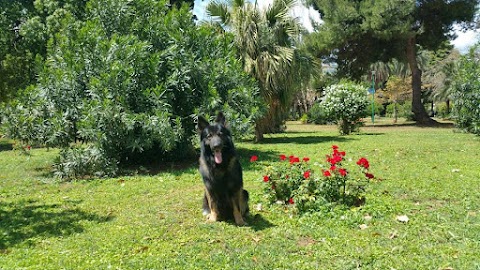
420,211
358,138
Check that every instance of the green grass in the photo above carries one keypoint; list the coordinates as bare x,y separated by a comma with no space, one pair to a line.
432,175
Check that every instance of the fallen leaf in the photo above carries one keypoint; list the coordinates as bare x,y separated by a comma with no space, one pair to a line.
393,235
403,218
455,170
256,239
212,241
259,207
363,226
367,217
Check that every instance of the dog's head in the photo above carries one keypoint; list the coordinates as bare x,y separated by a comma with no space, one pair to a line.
215,138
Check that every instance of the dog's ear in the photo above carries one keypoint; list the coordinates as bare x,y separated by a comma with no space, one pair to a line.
202,123
220,119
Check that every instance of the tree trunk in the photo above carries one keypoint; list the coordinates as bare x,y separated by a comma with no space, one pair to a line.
395,112
259,131
421,116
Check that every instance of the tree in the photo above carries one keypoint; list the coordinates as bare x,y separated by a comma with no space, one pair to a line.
395,89
17,60
440,75
265,42
358,33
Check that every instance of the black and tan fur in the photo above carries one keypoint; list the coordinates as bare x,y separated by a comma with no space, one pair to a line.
221,172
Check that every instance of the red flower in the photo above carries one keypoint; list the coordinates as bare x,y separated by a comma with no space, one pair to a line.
294,159
363,162
342,153
342,172
369,175
306,159
334,160
283,157
290,201
306,174
333,168
327,173
286,176
29,147
253,158
334,147
266,178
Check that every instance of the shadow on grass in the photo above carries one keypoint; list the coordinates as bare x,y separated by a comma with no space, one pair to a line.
259,223
304,139
413,124
26,221
5,146
155,167
191,163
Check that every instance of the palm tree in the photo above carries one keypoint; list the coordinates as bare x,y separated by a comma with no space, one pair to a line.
265,41
442,78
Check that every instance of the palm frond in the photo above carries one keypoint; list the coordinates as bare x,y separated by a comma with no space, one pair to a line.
217,9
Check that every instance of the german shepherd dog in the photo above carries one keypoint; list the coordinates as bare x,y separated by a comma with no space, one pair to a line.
224,197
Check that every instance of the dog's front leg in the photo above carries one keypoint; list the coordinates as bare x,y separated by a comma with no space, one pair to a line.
237,200
212,204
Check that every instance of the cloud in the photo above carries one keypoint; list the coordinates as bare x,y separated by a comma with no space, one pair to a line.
199,9
299,11
465,40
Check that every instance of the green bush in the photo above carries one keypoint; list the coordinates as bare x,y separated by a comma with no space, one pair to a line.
346,104
129,79
442,110
317,115
304,118
466,92
377,110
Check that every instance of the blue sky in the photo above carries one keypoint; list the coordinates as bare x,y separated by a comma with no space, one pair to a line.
464,40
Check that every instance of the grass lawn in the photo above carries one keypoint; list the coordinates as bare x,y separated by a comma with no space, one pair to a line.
431,175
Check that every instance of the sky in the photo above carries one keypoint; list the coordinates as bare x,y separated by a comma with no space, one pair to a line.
300,11
463,42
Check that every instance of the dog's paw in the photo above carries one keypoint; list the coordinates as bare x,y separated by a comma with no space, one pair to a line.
212,218
240,222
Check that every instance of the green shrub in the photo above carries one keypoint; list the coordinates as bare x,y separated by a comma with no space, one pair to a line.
442,110
304,119
129,79
317,115
377,109
466,92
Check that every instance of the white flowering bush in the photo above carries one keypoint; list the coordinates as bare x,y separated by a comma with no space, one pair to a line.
346,104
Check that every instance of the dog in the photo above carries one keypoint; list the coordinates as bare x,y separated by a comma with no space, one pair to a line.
224,197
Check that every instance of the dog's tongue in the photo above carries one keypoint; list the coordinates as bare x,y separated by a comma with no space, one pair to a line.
218,157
